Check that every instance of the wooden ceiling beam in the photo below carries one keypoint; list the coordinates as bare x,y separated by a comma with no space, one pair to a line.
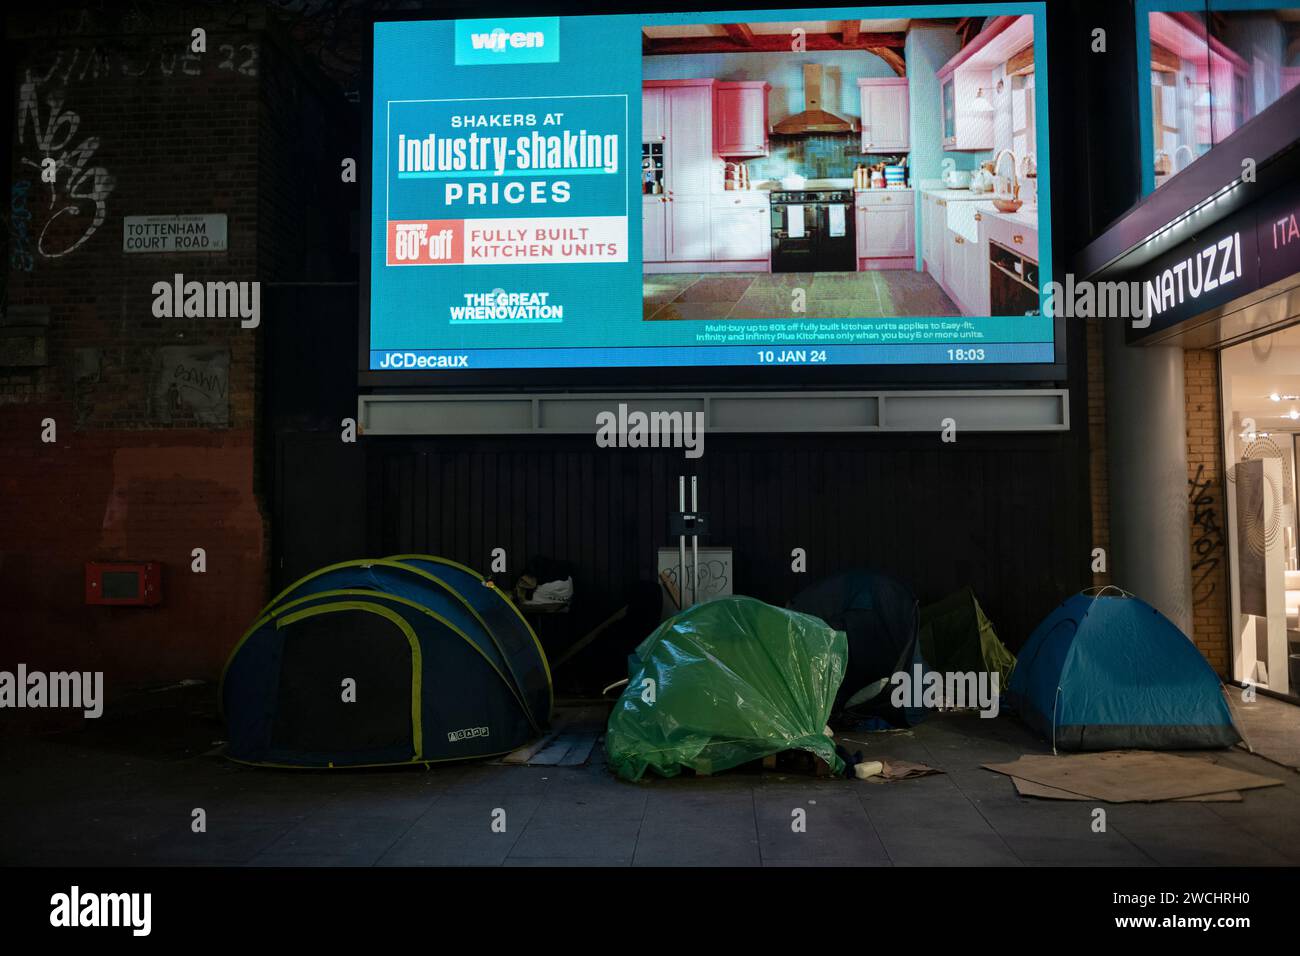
968,28
740,32
893,57
1021,62
1164,60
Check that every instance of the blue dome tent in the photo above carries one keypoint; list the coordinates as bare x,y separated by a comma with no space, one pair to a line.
1106,671
441,667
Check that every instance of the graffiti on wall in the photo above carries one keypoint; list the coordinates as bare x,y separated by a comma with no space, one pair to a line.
1207,534
48,130
79,192
168,59
193,385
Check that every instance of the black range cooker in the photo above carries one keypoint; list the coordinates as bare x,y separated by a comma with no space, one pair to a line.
812,231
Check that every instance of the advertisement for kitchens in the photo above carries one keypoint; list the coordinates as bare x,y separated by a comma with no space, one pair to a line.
794,187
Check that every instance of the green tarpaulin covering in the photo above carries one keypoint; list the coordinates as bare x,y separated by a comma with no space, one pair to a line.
734,680
956,637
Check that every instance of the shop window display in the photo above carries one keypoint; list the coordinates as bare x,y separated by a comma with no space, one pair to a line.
1261,428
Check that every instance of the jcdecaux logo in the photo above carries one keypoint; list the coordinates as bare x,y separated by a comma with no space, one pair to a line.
521,40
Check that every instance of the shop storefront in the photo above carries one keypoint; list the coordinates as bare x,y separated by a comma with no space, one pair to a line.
1260,385
1209,374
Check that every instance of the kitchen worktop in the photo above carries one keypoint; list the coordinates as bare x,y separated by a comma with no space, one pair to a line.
961,217
954,195
1025,216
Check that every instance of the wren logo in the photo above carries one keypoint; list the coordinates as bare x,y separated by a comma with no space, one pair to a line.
75,908
499,38
521,40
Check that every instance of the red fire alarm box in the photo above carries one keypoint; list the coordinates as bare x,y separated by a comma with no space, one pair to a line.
125,583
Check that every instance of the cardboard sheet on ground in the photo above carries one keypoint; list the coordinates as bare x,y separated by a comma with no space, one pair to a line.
1027,788
1131,776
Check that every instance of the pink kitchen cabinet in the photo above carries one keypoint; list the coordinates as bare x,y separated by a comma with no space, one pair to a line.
654,238
961,270
692,170
688,163
889,232
740,119
966,82
885,231
740,223
884,114
653,114
689,167
688,229
965,125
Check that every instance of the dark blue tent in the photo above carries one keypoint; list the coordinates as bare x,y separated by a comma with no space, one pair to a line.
1108,672
441,665
503,620
880,618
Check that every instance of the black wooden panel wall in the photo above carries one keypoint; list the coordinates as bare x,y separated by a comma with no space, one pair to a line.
1008,515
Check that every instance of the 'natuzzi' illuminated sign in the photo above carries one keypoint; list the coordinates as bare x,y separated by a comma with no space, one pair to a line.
1249,250
1214,267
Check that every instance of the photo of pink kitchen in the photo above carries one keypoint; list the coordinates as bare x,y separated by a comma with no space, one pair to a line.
886,168
1209,75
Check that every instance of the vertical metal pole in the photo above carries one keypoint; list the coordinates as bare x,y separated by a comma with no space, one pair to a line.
695,543
681,543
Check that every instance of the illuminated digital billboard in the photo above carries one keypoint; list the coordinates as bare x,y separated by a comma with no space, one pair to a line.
744,189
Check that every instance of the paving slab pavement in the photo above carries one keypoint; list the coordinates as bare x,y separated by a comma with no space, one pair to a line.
75,801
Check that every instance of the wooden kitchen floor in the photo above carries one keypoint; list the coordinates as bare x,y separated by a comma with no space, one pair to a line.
761,295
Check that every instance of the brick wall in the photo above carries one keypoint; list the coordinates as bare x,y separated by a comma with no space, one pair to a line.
1206,507
1097,461
134,494
1205,503
163,141
157,418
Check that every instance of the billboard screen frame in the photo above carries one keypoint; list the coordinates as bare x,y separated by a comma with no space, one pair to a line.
748,377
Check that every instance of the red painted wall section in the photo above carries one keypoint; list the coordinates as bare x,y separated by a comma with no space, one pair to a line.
127,496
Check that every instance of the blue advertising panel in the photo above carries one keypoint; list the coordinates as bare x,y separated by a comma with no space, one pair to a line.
664,191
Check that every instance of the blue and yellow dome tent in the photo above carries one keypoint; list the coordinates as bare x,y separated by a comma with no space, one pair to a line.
442,665
1106,671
